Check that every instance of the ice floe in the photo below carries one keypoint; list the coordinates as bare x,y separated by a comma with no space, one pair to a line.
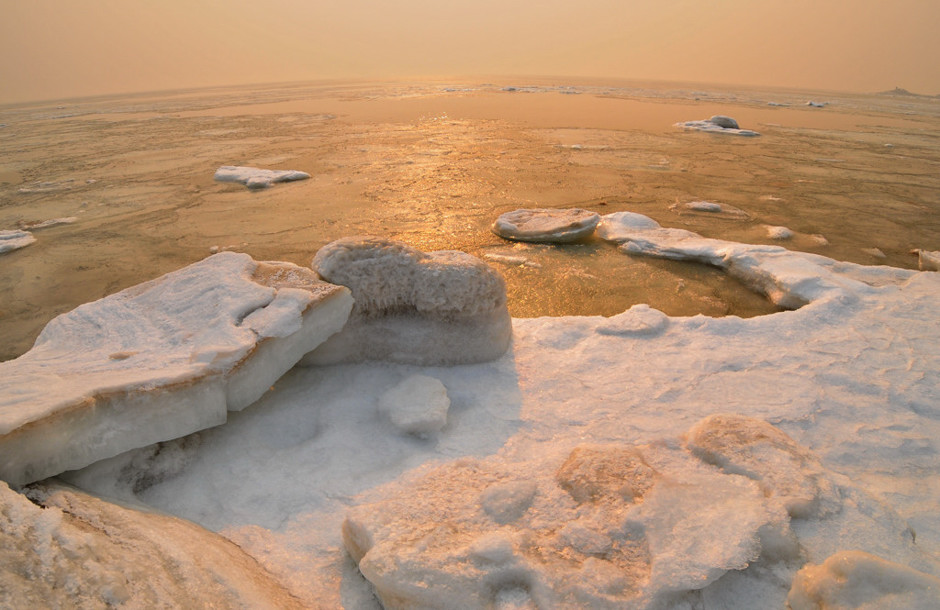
717,124
546,225
52,222
14,240
255,178
413,307
158,361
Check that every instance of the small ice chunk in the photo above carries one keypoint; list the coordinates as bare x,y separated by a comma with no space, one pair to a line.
14,240
507,502
413,307
855,579
725,122
158,361
546,225
639,320
703,206
51,223
418,405
717,124
778,233
928,260
255,178
874,252
599,474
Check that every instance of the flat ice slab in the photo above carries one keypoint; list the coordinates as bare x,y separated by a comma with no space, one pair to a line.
158,361
546,225
14,240
717,124
255,178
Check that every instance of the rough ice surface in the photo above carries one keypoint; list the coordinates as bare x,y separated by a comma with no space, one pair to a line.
159,360
417,405
14,240
928,261
255,178
717,124
413,307
73,550
546,225
862,581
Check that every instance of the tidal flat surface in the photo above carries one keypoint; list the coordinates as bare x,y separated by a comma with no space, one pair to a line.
434,163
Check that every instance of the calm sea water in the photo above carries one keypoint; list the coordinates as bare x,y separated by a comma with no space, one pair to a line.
433,164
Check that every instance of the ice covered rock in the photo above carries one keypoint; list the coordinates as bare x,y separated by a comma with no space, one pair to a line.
14,240
757,450
255,178
546,225
158,361
858,580
928,261
598,528
73,550
418,405
717,124
413,307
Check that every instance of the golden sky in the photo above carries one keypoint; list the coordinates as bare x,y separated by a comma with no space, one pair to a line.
63,48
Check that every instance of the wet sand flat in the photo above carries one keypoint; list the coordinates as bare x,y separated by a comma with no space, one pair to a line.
433,164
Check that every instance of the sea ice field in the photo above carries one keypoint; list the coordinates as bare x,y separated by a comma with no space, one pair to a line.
726,396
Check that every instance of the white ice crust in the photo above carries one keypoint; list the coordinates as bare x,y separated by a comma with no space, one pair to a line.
417,405
717,124
14,240
158,361
546,225
413,307
255,178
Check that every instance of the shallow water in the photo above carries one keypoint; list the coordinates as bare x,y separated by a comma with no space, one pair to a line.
433,164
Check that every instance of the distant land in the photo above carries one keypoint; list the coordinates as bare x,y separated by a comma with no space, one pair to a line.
905,92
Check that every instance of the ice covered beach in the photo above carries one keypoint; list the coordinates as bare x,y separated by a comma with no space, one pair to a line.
631,459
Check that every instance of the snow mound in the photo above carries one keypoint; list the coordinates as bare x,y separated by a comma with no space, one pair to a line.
639,320
789,279
255,178
158,361
546,225
417,405
858,580
607,526
413,307
717,124
14,240
64,553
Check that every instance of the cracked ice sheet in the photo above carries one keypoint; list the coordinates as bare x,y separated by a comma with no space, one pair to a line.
157,361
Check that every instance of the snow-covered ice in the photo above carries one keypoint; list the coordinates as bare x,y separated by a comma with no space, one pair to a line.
717,124
255,178
416,405
413,307
546,225
14,240
158,361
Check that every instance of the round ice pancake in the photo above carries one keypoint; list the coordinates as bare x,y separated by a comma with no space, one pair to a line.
541,225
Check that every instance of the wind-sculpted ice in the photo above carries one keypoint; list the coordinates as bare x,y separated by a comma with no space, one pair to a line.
717,124
72,550
790,279
854,579
255,178
158,361
413,307
546,225
603,526
14,240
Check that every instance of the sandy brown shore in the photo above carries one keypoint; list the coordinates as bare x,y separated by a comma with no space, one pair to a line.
433,164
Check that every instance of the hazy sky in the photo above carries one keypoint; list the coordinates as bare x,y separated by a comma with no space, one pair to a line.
61,48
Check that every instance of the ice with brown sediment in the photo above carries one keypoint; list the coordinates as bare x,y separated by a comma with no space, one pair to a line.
158,361
546,225
443,307
256,178
928,260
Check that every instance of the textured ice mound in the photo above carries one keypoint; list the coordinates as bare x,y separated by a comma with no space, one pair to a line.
418,405
77,551
601,526
717,124
255,178
854,579
546,225
158,361
14,240
413,307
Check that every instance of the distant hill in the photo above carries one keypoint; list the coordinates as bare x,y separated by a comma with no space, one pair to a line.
904,92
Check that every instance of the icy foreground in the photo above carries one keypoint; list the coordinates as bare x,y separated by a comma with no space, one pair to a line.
255,178
158,361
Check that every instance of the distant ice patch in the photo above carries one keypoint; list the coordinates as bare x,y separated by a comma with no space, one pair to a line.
717,124
255,178
14,240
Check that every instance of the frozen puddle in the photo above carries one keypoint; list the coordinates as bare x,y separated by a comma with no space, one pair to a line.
638,461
